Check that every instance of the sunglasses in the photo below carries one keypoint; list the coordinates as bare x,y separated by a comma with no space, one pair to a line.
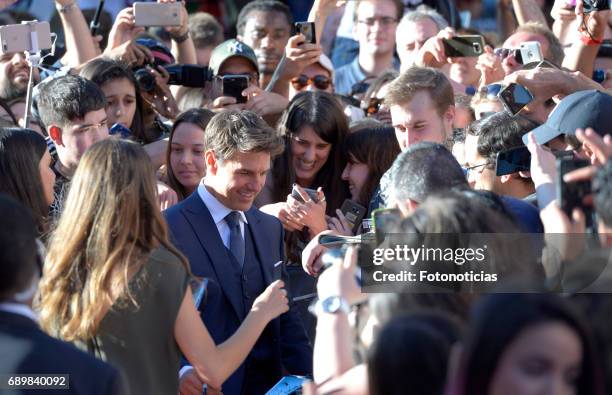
505,52
320,82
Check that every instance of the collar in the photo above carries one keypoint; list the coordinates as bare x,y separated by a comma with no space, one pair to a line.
217,209
20,309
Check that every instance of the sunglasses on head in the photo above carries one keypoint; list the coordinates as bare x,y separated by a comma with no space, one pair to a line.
320,82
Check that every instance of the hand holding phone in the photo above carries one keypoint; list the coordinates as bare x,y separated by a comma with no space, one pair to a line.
313,194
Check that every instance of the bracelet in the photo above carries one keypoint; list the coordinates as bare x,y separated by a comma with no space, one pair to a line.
586,40
67,8
181,38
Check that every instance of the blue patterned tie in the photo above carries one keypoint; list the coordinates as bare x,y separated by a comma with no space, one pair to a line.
236,244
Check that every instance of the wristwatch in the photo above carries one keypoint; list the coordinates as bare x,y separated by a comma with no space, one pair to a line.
330,305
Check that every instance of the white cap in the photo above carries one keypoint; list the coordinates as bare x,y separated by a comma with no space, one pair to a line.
327,64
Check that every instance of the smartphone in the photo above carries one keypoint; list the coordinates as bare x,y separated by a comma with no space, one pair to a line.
512,161
385,220
307,29
18,38
199,288
571,194
234,84
288,385
353,213
464,46
311,192
529,52
277,272
514,97
157,14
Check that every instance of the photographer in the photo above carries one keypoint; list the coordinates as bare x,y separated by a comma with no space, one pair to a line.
236,59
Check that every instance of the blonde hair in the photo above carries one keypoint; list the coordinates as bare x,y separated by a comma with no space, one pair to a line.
110,223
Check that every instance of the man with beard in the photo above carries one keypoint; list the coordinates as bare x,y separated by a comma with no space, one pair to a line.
265,26
375,26
14,74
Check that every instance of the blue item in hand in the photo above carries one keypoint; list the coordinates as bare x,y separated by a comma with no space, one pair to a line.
121,130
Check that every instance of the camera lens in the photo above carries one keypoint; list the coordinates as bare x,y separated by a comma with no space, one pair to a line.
146,81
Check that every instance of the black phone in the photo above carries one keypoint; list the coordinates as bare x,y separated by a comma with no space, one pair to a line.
311,192
307,29
571,194
512,161
464,46
353,213
514,97
234,84
385,219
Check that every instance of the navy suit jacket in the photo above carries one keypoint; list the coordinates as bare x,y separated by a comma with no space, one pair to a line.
195,234
28,350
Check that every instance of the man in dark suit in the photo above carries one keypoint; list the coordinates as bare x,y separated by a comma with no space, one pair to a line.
236,247
25,348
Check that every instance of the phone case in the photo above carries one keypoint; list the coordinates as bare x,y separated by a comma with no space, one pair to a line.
353,213
157,14
308,30
464,46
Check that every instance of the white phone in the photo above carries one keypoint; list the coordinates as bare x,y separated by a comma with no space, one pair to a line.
28,36
531,52
157,14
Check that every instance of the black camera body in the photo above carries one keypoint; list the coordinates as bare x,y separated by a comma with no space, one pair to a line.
596,5
188,75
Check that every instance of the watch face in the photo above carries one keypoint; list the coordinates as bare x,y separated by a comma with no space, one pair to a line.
331,304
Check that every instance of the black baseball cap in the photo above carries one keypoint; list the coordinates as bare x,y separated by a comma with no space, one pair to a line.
580,110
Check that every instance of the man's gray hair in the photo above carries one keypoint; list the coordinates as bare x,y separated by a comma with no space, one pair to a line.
423,169
423,12
230,132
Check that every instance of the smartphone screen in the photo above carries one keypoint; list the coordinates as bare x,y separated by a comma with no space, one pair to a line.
514,97
311,192
234,84
512,161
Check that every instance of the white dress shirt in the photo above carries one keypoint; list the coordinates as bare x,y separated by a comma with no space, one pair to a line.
219,212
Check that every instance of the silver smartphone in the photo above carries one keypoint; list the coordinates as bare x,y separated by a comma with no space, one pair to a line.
530,52
157,14
28,36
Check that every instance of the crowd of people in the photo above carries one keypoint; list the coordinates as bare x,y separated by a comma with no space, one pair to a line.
193,208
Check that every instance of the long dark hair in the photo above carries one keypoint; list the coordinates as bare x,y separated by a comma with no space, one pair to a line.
323,113
20,153
375,146
199,117
498,319
100,71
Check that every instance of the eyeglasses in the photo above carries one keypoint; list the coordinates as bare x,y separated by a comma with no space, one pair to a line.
473,170
493,90
505,52
382,21
373,106
320,82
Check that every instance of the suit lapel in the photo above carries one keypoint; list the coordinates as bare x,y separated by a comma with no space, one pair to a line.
259,240
200,219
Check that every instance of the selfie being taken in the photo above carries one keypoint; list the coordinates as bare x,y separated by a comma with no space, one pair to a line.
268,197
